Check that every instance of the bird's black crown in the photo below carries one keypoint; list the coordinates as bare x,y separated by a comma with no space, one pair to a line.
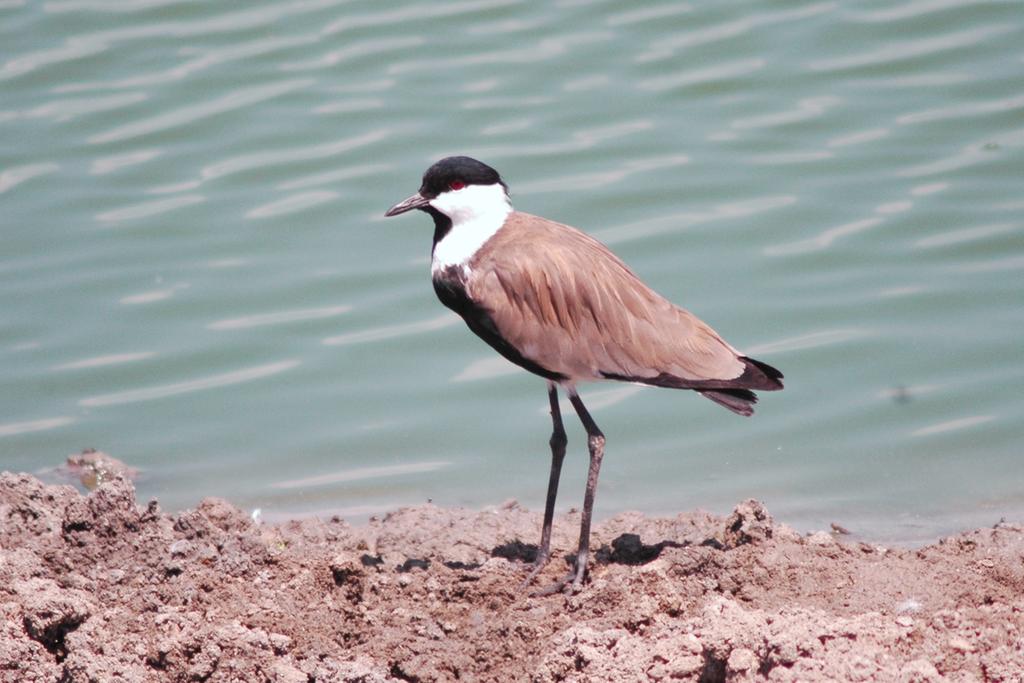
466,170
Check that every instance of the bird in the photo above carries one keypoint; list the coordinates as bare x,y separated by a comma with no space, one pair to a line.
558,303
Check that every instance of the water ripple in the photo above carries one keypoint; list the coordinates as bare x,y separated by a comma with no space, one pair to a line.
712,74
483,85
208,59
278,318
261,160
580,140
15,428
970,155
589,181
104,165
823,240
174,188
637,16
212,382
335,176
953,425
417,13
587,83
237,99
784,158
964,110
103,361
152,295
890,208
349,106
596,400
858,138
107,6
226,263
506,127
928,188
507,103
69,109
293,204
504,27
910,10
361,473
906,290
544,50
69,52
903,392
232,22
892,53
377,85
975,233
667,48
942,79
681,220
393,331
811,340
806,110
355,51
17,175
486,368
991,265
147,209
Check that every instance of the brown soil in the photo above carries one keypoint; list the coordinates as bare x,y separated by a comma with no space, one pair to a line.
97,588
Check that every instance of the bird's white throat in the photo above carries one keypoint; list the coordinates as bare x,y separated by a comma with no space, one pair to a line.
477,212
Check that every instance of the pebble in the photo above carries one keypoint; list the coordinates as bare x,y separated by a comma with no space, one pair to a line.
691,644
821,538
284,672
740,660
960,644
180,547
908,605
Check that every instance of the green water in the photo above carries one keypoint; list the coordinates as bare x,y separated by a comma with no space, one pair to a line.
196,277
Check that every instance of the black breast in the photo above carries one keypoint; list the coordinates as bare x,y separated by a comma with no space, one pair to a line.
450,286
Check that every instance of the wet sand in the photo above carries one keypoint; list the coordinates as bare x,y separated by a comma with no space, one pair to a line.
101,588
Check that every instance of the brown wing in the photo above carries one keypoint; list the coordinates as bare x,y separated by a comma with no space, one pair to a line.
564,301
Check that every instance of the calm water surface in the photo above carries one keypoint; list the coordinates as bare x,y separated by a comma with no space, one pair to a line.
195,275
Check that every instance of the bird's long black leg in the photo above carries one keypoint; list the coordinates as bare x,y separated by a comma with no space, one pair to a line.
595,442
558,441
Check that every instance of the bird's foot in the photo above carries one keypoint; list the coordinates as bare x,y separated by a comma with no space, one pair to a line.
536,568
571,582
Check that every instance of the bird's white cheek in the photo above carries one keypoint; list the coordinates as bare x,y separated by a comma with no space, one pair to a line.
448,204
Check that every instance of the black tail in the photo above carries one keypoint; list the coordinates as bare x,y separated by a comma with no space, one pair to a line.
734,394
739,401
760,376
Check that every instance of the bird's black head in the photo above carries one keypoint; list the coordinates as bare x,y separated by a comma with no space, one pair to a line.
455,173
450,174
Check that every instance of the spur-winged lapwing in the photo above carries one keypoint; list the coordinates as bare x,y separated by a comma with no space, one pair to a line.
560,304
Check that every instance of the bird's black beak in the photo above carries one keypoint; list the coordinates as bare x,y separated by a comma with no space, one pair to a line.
417,201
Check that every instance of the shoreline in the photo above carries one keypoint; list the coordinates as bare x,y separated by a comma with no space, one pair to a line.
99,587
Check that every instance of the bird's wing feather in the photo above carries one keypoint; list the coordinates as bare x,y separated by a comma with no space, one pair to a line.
567,303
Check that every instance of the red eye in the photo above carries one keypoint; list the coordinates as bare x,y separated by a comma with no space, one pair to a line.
456,185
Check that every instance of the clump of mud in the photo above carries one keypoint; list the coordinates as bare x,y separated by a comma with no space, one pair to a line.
100,588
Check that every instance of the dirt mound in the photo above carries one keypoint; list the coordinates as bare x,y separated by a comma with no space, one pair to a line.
98,588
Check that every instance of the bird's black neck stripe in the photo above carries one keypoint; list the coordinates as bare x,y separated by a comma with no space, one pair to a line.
442,226
450,286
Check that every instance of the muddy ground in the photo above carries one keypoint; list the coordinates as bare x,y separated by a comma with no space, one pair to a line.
101,588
